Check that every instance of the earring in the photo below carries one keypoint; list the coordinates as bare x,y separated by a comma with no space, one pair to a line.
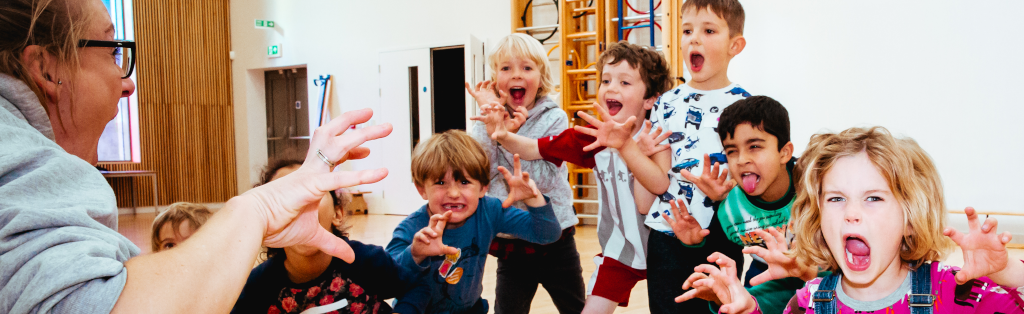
60,82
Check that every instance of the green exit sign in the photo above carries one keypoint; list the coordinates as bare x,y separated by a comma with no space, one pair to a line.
264,24
274,51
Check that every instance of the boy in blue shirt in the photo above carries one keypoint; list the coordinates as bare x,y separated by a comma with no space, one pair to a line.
460,221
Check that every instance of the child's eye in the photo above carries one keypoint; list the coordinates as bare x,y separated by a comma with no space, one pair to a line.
835,199
687,32
753,147
465,182
605,81
730,152
709,31
505,68
439,182
874,199
168,246
625,83
528,68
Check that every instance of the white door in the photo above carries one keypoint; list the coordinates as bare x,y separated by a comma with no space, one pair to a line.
476,63
399,195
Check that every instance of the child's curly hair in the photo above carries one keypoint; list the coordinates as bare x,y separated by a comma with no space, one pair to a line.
179,212
652,66
911,175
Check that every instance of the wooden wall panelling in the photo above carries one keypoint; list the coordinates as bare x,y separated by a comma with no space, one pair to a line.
186,120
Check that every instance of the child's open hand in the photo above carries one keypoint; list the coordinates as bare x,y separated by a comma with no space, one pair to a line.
779,265
427,242
984,250
609,133
686,228
703,292
714,182
484,93
520,186
649,142
723,282
493,117
519,116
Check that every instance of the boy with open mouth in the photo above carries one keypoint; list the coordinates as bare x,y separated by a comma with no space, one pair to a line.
632,78
755,134
712,35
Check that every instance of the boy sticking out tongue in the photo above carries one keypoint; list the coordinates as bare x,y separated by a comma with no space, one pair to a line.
755,136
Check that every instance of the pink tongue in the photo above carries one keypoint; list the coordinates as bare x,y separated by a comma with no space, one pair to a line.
697,61
857,247
749,183
518,93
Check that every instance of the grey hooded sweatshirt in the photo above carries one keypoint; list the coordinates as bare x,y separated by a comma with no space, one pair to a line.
59,248
545,119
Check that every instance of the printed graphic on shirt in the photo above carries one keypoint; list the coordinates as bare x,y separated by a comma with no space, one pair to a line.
691,116
336,289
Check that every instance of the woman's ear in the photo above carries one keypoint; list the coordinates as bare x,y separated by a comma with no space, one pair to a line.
41,67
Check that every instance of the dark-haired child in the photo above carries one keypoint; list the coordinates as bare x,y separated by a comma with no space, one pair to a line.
755,134
460,221
297,278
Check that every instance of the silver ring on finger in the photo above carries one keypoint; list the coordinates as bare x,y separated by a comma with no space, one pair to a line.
320,154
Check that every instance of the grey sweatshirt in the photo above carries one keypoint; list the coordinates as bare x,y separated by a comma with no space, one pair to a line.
545,119
59,250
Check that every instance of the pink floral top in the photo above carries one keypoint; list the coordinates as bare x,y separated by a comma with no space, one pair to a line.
976,296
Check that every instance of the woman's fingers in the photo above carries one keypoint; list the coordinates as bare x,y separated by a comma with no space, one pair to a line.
333,245
342,179
342,123
336,147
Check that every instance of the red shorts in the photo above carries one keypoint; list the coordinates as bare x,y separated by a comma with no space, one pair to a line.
613,280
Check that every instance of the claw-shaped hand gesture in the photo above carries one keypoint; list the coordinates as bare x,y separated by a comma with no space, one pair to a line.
779,265
650,143
608,133
714,182
427,242
723,282
702,292
686,228
485,93
520,186
984,250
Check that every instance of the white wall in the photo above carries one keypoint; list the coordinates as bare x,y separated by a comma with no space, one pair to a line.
943,72
342,38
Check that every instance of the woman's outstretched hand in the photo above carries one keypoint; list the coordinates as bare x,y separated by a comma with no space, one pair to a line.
288,205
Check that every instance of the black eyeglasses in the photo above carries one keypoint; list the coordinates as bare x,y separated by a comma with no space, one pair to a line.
125,59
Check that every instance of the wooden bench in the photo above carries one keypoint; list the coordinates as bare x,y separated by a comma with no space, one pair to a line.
136,173
358,204
981,213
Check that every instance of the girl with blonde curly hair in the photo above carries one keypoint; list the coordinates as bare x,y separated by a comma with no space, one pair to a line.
870,210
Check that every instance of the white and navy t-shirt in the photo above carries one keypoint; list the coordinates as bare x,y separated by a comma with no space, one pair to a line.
620,227
692,117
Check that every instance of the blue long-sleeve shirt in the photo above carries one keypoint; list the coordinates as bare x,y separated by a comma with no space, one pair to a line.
453,284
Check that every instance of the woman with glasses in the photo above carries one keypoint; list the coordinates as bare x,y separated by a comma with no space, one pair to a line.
61,75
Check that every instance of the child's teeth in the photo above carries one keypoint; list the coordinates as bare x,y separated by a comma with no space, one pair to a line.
849,256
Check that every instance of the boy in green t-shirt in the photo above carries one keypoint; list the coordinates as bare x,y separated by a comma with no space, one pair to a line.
755,136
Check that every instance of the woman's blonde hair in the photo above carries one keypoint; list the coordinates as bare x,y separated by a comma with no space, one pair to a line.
195,214
54,25
911,175
521,45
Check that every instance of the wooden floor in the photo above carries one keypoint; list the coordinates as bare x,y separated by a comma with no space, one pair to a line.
377,229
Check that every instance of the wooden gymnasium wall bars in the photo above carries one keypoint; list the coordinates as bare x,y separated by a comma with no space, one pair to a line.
186,118
584,28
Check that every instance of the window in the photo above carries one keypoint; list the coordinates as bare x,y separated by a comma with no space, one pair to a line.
120,139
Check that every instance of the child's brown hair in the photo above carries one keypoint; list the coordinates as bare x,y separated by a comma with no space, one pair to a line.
729,10
195,214
911,175
452,150
652,66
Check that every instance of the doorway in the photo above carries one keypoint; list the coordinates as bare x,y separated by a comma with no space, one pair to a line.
287,114
448,76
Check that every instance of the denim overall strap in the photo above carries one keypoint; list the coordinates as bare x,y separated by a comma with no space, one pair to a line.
921,298
825,297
